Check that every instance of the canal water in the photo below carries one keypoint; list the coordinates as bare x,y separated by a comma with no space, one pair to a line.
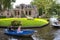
45,33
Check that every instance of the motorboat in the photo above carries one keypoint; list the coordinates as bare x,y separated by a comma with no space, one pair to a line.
54,22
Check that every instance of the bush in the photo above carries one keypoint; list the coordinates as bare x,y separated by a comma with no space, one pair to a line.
2,16
16,23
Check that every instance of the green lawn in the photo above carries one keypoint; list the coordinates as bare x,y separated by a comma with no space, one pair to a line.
25,22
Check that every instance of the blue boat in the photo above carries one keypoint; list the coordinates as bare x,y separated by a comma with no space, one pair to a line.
26,32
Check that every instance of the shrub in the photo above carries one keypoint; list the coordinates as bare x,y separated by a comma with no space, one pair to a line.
16,23
2,16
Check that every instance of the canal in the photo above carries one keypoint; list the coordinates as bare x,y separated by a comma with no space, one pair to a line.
45,33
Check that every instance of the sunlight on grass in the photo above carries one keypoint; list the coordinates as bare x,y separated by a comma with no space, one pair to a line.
25,22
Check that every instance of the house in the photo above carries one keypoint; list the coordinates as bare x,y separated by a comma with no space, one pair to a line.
22,10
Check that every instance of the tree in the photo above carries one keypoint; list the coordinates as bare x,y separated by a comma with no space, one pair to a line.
6,4
55,9
44,4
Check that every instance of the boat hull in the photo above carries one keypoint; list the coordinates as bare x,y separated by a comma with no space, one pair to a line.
55,26
20,33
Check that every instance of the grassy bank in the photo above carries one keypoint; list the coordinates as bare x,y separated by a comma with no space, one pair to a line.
25,22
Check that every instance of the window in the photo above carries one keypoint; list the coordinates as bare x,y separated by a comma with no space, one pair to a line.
29,6
7,13
29,12
18,12
22,6
26,12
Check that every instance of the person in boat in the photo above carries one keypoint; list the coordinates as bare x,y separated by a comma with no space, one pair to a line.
11,28
19,29
14,24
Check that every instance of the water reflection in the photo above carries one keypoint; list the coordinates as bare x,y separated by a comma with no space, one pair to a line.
20,38
45,33
33,37
36,37
12,39
57,35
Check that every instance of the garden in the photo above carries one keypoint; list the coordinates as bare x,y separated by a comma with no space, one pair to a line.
24,21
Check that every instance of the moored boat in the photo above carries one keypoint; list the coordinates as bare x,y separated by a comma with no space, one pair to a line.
26,32
54,22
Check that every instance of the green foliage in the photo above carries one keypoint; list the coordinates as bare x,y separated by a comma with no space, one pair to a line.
54,10
44,4
6,4
2,16
24,21
16,23
40,11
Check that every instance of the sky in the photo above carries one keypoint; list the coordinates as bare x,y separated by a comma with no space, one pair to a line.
58,1
21,2
25,2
